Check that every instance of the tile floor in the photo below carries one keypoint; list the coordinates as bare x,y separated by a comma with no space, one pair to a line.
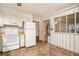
41,49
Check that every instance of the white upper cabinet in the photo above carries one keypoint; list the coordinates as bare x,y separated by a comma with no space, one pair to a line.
1,21
7,19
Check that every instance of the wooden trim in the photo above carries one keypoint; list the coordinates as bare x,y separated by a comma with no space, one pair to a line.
11,25
66,15
1,33
75,31
21,33
66,24
75,22
53,14
65,32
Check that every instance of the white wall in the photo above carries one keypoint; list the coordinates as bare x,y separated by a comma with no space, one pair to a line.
67,11
37,26
10,15
67,41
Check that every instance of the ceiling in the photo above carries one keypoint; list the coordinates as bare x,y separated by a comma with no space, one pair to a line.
38,9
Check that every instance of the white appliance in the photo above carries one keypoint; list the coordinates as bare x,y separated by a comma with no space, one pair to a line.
10,38
30,34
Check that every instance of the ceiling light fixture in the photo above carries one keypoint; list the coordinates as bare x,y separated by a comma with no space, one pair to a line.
19,4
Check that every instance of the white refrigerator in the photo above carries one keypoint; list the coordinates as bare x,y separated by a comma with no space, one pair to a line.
30,34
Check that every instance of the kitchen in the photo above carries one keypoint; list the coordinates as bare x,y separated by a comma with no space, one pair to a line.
12,29
25,33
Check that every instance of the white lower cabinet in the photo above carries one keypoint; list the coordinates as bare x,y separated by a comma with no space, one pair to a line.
55,39
60,40
53,35
10,42
64,40
77,43
68,41
72,43
58,37
52,39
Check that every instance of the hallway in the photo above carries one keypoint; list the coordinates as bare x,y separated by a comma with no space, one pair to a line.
41,49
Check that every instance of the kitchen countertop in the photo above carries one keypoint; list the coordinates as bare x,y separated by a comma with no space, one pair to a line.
1,33
22,33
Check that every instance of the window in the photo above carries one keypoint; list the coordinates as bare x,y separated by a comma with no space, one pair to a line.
77,22
71,23
57,24
63,24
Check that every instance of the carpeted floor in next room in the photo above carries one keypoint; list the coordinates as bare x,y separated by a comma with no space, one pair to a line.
41,49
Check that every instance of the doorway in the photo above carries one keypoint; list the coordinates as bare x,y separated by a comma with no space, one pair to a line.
44,30
47,29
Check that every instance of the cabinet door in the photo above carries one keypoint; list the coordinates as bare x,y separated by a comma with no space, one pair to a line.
6,21
77,43
68,42
1,21
60,40
57,39
53,38
64,40
72,37
10,39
